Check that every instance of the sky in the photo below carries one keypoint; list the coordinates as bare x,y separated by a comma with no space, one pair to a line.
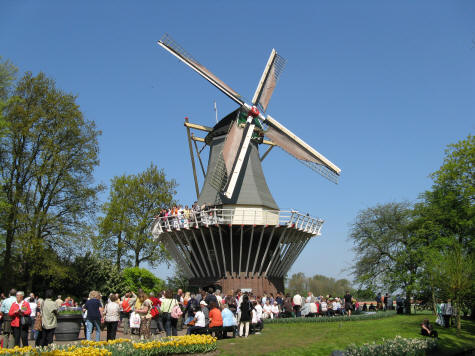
379,88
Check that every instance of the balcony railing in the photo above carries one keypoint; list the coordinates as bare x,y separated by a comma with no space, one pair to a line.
237,216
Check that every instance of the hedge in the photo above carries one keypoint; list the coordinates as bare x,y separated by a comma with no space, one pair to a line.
329,319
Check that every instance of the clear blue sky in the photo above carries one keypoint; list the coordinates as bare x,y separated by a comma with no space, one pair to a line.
380,88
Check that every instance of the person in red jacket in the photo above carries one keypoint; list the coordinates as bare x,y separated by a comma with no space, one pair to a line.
20,313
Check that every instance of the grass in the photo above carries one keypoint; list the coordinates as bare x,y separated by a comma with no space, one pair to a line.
323,338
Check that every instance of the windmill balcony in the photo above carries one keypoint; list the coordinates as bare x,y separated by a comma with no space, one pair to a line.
238,216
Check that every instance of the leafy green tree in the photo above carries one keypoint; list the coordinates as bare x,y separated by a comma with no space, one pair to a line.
178,281
7,77
136,278
446,220
318,285
134,201
388,253
47,159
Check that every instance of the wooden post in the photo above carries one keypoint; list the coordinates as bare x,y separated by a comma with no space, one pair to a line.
192,159
199,157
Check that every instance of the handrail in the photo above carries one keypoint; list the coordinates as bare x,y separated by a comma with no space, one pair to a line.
237,216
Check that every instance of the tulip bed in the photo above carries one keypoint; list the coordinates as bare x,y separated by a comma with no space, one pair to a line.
123,347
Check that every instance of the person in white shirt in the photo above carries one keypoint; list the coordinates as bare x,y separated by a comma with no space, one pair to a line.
267,311
297,300
334,307
324,307
217,293
313,312
310,298
275,310
200,323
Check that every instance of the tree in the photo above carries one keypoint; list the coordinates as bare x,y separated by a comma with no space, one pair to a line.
47,160
136,278
388,253
446,219
134,201
318,284
7,77
178,280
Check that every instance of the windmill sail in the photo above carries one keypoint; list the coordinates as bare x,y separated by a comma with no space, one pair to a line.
274,68
174,48
231,146
239,160
295,146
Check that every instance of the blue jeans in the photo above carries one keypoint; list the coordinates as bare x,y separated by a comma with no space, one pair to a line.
89,325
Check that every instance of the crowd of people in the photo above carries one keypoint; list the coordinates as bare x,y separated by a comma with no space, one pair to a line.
185,217
142,314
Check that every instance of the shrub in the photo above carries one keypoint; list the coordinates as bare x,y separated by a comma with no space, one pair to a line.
327,319
396,347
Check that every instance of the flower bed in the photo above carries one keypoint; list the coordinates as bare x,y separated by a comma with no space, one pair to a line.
123,347
396,347
329,319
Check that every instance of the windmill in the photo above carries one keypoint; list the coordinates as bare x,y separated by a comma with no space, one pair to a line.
236,190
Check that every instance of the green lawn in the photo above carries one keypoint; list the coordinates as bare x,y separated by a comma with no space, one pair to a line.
323,338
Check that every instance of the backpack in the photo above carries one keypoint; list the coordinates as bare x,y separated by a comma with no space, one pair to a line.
154,311
176,312
126,307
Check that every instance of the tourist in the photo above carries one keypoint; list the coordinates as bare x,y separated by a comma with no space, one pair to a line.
215,320
310,298
297,303
112,317
313,310
428,330
245,316
198,323
275,309
379,304
7,337
49,312
94,315
447,313
288,308
267,310
145,315
324,307
20,313
37,327
254,319
348,302
169,323
258,309
33,306
127,305
59,301
229,321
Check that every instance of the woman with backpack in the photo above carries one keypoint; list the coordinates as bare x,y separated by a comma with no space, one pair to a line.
169,311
